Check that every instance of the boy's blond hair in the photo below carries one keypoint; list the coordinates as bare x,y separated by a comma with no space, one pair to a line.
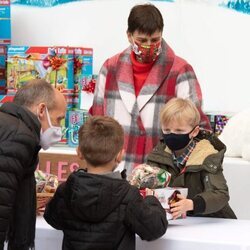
179,110
101,138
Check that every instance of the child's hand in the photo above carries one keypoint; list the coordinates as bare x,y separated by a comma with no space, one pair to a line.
181,207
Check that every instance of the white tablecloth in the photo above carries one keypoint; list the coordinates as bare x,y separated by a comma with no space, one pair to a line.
237,174
183,234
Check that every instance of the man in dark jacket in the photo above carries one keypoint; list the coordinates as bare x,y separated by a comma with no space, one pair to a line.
32,121
97,208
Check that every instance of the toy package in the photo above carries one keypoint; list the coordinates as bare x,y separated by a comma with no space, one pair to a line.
83,64
5,22
54,64
76,119
2,70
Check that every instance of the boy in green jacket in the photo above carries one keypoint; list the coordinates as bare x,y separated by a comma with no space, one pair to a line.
194,158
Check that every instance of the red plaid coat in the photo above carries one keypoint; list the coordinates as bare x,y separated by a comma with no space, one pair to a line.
170,76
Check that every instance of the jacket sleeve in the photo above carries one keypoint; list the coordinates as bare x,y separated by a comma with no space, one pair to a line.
98,102
215,195
188,87
54,207
146,217
10,175
15,155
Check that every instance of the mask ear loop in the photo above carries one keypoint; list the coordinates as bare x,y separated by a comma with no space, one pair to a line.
135,47
48,117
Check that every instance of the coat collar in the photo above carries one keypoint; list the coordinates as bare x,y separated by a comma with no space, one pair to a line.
23,114
156,77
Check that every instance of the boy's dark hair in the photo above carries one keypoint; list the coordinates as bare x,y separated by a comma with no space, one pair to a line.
145,18
101,138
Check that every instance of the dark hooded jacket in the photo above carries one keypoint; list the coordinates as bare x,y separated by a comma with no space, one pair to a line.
203,177
19,147
100,212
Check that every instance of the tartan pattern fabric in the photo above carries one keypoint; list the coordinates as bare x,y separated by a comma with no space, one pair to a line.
181,160
114,96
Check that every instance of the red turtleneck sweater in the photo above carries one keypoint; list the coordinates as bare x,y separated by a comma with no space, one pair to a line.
141,71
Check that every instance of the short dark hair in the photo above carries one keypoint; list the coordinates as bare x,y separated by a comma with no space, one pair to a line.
145,18
101,138
35,92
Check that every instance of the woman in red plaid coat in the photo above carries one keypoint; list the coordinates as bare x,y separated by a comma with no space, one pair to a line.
135,84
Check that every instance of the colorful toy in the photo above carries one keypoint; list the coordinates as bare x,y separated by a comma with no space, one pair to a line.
55,64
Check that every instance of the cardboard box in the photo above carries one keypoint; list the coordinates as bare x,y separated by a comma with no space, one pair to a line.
61,165
5,22
164,194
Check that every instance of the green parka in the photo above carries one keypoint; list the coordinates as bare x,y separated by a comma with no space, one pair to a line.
203,177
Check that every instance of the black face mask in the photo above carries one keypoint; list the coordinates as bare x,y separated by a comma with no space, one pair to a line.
177,141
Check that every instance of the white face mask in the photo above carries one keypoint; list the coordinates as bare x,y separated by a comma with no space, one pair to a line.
51,135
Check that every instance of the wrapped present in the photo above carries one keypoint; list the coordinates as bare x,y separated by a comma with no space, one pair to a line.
76,120
54,64
168,196
5,22
146,176
86,92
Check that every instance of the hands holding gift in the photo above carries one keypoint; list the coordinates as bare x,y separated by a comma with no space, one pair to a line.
180,206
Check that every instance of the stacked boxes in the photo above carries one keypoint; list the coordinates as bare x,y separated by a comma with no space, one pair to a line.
5,24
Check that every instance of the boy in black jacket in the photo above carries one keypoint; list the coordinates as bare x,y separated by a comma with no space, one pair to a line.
97,208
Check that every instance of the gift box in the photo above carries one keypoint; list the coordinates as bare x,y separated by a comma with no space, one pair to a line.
167,196
3,55
5,22
218,120
76,120
86,92
54,64
83,63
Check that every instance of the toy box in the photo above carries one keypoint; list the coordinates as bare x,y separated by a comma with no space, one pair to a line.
55,64
76,119
2,70
165,196
5,23
83,64
218,120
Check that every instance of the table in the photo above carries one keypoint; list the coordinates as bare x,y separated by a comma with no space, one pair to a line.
237,174
236,171
183,234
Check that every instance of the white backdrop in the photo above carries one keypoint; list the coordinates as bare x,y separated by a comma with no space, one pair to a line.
214,40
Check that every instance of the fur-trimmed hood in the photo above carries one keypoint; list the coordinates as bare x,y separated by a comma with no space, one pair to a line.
208,153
